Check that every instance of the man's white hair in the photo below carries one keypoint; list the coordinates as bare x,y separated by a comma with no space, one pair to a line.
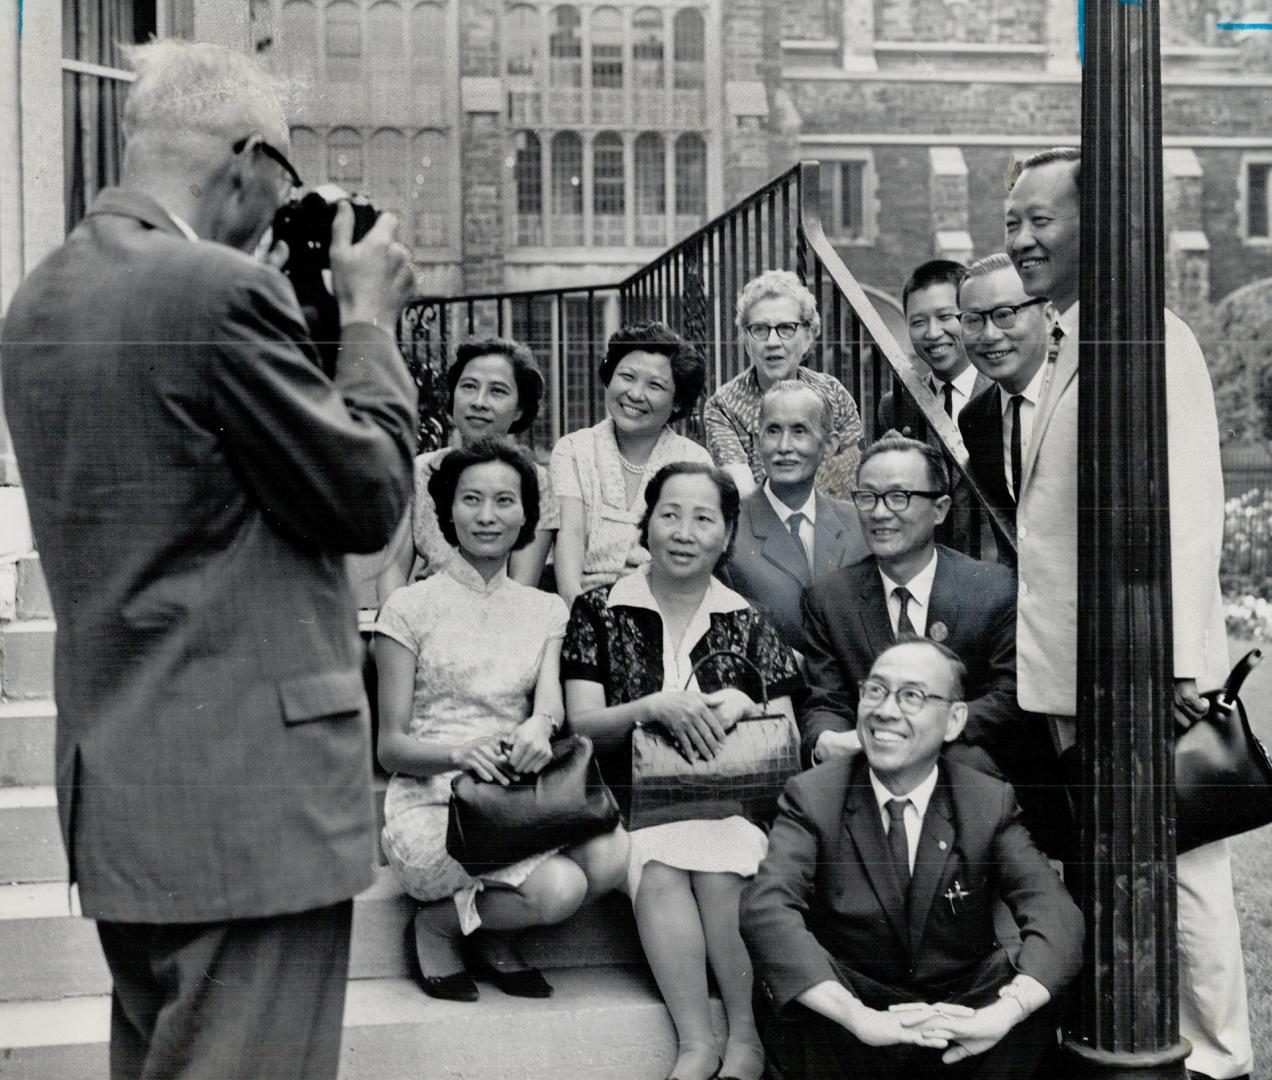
191,91
788,387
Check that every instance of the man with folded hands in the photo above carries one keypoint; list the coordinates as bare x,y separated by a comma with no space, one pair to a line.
870,919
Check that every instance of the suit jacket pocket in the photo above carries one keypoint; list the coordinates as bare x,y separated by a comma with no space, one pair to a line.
322,695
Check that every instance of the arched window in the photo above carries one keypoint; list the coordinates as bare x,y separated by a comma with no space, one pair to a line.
344,158
297,45
429,59
344,30
430,190
307,155
609,196
691,183
647,49
388,169
688,50
565,48
651,190
607,66
386,60
528,180
567,189
522,41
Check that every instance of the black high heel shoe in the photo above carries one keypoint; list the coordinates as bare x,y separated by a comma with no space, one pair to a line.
514,976
457,986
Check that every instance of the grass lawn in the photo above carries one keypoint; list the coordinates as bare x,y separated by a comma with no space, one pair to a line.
1252,875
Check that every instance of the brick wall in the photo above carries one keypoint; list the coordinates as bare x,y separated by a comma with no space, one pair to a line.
987,22
1232,263
811,20
478,37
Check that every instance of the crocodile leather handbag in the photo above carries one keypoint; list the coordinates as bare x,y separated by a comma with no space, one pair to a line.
745,778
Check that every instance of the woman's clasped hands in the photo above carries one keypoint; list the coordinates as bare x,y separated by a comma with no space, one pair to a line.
501,761
697,723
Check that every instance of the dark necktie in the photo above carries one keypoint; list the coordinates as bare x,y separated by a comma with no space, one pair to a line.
904,625
793,523
898,840
1016,465
947,392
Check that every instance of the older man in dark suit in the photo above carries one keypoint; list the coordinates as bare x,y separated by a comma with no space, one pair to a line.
194,482
870,919
788,535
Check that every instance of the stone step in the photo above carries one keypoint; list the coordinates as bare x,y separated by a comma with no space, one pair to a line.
26,742
26,659
601,1024
50,952
30,841
32,591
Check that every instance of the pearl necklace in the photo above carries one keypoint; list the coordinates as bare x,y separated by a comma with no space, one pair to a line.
635,470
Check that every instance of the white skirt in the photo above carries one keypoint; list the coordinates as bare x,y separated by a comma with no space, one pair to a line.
729,846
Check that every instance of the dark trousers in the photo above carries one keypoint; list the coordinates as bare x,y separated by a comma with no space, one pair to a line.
258,998
804,1045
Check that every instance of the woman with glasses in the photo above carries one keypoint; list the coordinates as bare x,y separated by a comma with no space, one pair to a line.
629,660
652,378
778,325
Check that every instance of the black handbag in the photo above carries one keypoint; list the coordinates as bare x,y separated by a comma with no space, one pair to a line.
745,778
490,826
1223,776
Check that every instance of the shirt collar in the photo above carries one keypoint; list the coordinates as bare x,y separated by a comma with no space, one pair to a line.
964,382
633,591
920,585
184,226
462,571
920,795
1030,393
809,509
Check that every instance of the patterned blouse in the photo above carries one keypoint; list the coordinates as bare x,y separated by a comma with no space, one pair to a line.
585,466
615,638
732,419
430,545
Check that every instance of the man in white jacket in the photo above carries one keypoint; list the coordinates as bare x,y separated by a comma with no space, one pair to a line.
1043,239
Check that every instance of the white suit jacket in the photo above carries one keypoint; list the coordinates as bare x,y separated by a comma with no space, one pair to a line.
1046,520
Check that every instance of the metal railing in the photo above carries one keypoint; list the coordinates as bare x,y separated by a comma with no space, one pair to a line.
693,287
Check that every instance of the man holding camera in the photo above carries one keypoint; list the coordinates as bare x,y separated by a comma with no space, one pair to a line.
194,483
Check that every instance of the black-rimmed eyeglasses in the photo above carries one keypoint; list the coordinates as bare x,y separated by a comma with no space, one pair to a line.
759,331
896,500
274,154
910,699
1003,316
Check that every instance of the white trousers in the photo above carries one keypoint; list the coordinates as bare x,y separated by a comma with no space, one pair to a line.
1213,1013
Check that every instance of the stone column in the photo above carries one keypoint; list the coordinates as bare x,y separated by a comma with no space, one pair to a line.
1125,1019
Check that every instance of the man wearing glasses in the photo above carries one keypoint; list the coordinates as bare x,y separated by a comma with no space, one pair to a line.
870,918
909,585
1008,336
195,482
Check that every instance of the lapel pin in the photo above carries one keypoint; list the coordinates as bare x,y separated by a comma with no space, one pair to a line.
942,844
938,631
955,895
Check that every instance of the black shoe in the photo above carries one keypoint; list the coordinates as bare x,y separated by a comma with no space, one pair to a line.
457,986
714,1076
527,982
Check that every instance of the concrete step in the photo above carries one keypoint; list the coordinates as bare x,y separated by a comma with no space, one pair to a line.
32,591
50,952
30,841
601,1024
26,742
26,659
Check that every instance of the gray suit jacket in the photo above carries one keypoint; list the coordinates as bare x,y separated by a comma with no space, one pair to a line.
194,483
768,567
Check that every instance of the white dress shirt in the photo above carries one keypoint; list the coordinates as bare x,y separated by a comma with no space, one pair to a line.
806,527
915,810
920,587
1028,407
962,383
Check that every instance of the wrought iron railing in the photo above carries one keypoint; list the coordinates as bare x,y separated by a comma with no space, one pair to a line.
693,286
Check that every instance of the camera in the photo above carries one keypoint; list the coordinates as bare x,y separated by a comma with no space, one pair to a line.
305,225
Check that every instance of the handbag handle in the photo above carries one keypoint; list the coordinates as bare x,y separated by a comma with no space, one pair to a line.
1224,700
736,656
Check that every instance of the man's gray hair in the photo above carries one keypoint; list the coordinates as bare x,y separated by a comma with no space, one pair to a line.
778,283
990,264
192,90
786,387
